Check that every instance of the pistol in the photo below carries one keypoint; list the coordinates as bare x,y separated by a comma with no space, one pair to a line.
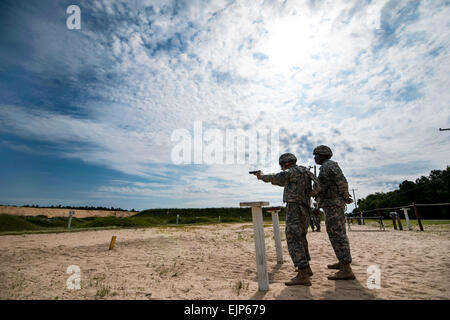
254,172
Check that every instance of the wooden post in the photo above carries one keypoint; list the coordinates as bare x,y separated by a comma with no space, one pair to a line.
416,211
400,226
382,225
405,212
71,213
178,216
276,233
260,246
392,215
112,243
381,219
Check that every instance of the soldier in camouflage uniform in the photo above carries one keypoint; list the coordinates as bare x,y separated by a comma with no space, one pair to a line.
333,197
312,222
315,218
298,189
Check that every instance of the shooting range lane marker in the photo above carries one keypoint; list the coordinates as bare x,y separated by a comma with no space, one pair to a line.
112,243
405,212
260,247
393,216
276,233
419,221
399,221
71,213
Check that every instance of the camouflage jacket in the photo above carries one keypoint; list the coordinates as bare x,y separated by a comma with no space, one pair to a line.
333,185
297,183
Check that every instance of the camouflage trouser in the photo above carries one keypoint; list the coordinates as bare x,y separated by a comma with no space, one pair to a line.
312,223
335,222
315,221
297,222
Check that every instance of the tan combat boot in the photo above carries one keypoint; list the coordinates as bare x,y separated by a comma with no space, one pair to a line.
302,279
308,271
345,273
336,265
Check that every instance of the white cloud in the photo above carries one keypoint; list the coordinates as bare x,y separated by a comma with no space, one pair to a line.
324,70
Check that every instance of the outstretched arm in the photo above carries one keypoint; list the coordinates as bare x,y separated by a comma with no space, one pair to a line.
280,179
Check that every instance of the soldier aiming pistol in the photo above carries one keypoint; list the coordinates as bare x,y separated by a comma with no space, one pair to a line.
298,189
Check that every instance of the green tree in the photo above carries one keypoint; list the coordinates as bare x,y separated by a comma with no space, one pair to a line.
432,189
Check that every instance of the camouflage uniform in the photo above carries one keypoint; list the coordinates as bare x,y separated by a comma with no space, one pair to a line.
331,197
297,188
315,219
312,223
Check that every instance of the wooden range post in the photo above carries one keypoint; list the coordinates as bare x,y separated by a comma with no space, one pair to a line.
416,211
405,212
71,213
400,226
260,246
392,215
112,243
276,233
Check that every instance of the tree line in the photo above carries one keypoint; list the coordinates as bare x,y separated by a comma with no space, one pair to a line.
434,188
77,208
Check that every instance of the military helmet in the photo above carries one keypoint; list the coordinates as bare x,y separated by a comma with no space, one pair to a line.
286,157
323,150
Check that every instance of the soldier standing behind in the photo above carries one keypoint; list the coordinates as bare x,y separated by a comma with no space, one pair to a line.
332,198
315,217
298,189
312,222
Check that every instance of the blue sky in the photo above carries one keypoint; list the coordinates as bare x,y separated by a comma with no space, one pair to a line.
86,116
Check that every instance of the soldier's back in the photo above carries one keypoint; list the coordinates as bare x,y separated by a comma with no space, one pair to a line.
299,186
329,177
328,167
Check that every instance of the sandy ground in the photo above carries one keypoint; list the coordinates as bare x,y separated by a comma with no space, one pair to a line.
218,262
